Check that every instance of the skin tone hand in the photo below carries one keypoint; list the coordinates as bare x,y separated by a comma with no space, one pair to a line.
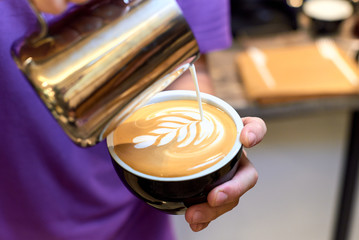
226,196
54,6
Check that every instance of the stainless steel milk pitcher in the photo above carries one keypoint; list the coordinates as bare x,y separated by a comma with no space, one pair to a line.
102,60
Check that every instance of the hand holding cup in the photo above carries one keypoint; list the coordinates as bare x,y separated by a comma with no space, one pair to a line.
226,196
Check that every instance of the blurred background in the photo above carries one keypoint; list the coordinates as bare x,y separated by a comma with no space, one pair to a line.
307,162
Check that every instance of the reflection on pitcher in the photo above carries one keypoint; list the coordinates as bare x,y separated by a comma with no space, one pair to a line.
102,60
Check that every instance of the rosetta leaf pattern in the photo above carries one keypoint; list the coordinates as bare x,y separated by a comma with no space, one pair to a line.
144,141
182,131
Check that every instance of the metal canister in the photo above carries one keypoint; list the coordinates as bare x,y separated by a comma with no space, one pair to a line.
100,61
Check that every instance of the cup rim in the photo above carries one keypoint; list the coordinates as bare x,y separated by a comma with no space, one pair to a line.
347,10
187,95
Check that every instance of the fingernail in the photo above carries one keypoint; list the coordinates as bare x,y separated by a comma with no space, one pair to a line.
198,227
251,138
221,198
197,217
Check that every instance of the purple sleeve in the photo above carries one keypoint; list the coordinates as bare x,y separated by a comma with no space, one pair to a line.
209,21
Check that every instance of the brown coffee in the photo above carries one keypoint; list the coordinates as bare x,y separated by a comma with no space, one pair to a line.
168,139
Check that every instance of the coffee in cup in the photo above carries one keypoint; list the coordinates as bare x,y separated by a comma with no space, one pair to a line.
170,157
169,139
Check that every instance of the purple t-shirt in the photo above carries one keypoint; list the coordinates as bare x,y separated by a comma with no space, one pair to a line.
49,187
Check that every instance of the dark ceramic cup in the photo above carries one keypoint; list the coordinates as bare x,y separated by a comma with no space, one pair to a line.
327,16
175,194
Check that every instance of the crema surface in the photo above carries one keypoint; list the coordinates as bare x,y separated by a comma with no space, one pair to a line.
168,139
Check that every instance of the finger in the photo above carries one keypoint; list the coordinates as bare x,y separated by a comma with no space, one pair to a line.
78,1
199,216
198,226
53,6
253,131
245,179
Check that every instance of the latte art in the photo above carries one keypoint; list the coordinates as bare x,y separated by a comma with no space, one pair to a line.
169,139
182,130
